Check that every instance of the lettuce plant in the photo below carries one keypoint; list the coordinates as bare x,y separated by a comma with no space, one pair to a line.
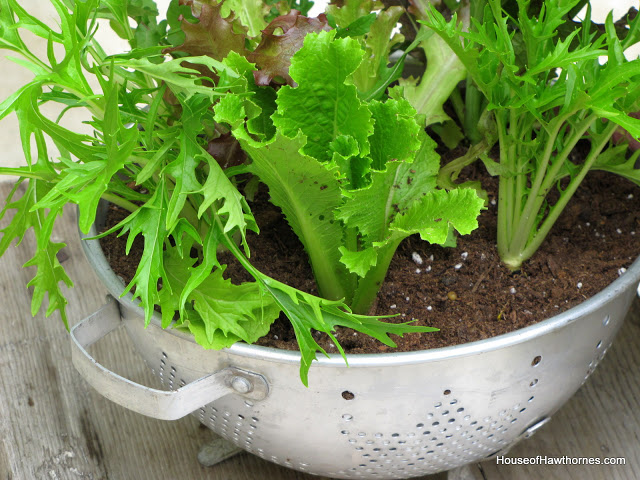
547,93
353,172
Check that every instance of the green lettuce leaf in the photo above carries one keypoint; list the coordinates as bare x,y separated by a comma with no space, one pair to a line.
308,194
356,19
323,106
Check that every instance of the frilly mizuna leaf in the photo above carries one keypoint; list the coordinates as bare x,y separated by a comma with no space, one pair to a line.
49,274
24,218
150,221
308,313
182,77
228,312
49,271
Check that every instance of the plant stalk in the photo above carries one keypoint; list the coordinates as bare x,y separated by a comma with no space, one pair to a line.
537,196
121,202
369,286
568,193
504,227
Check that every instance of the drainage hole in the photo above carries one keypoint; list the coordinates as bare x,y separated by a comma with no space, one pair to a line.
347,395
536,360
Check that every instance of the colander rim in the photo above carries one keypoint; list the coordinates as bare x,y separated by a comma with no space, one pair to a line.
115,286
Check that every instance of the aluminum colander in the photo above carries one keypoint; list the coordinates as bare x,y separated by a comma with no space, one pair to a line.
394,415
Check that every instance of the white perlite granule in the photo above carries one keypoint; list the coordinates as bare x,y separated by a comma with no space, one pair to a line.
417,259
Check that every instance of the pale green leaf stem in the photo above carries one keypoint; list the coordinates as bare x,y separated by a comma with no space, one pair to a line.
543,106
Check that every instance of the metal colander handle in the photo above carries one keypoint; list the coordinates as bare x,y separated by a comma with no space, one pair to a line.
160,404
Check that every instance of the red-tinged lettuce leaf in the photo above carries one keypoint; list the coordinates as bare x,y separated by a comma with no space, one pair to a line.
273,55
213,34
227,151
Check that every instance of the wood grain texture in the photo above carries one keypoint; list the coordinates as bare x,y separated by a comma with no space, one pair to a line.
54,426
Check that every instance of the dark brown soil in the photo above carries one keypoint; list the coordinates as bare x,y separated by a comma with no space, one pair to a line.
464,291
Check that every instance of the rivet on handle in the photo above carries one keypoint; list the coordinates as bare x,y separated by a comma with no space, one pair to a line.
241,385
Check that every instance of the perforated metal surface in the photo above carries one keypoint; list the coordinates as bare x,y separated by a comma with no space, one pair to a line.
393,415
407,419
